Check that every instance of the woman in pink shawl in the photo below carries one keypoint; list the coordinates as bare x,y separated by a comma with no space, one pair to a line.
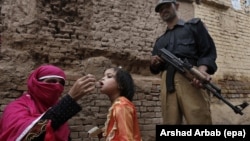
38,115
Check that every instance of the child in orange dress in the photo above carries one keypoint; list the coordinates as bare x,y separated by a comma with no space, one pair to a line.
122,123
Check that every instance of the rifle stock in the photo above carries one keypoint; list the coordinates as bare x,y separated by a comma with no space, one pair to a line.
190,71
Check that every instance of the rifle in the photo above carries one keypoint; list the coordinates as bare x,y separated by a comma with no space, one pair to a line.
190,71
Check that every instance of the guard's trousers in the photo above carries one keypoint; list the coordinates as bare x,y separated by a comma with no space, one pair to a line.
186,101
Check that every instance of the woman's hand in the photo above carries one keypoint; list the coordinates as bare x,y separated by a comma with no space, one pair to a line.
82,86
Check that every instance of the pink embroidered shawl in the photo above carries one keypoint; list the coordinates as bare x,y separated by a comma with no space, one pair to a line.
19,114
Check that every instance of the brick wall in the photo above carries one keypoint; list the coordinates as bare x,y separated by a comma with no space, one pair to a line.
87,36
230,31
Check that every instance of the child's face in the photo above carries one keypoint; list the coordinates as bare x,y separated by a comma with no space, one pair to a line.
108,82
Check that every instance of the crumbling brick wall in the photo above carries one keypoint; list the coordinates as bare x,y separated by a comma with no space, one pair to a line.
87,36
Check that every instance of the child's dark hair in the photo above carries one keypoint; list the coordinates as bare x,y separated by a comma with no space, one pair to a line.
125,83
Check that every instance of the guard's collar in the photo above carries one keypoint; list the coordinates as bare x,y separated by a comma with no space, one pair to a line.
179,22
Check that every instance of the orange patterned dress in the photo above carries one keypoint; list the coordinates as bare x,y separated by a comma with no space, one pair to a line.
122,123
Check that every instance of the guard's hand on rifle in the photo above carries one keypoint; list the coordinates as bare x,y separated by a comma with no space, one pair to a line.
156,61
198,82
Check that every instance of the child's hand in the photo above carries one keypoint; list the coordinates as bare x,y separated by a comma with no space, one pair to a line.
100,135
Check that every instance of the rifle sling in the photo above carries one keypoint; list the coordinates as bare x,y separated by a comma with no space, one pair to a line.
170,78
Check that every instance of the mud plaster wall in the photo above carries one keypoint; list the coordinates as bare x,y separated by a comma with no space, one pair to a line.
230,31
87,36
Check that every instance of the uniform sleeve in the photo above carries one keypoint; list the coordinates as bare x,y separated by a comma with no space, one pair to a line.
206,47
124,120
161,67
155,70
